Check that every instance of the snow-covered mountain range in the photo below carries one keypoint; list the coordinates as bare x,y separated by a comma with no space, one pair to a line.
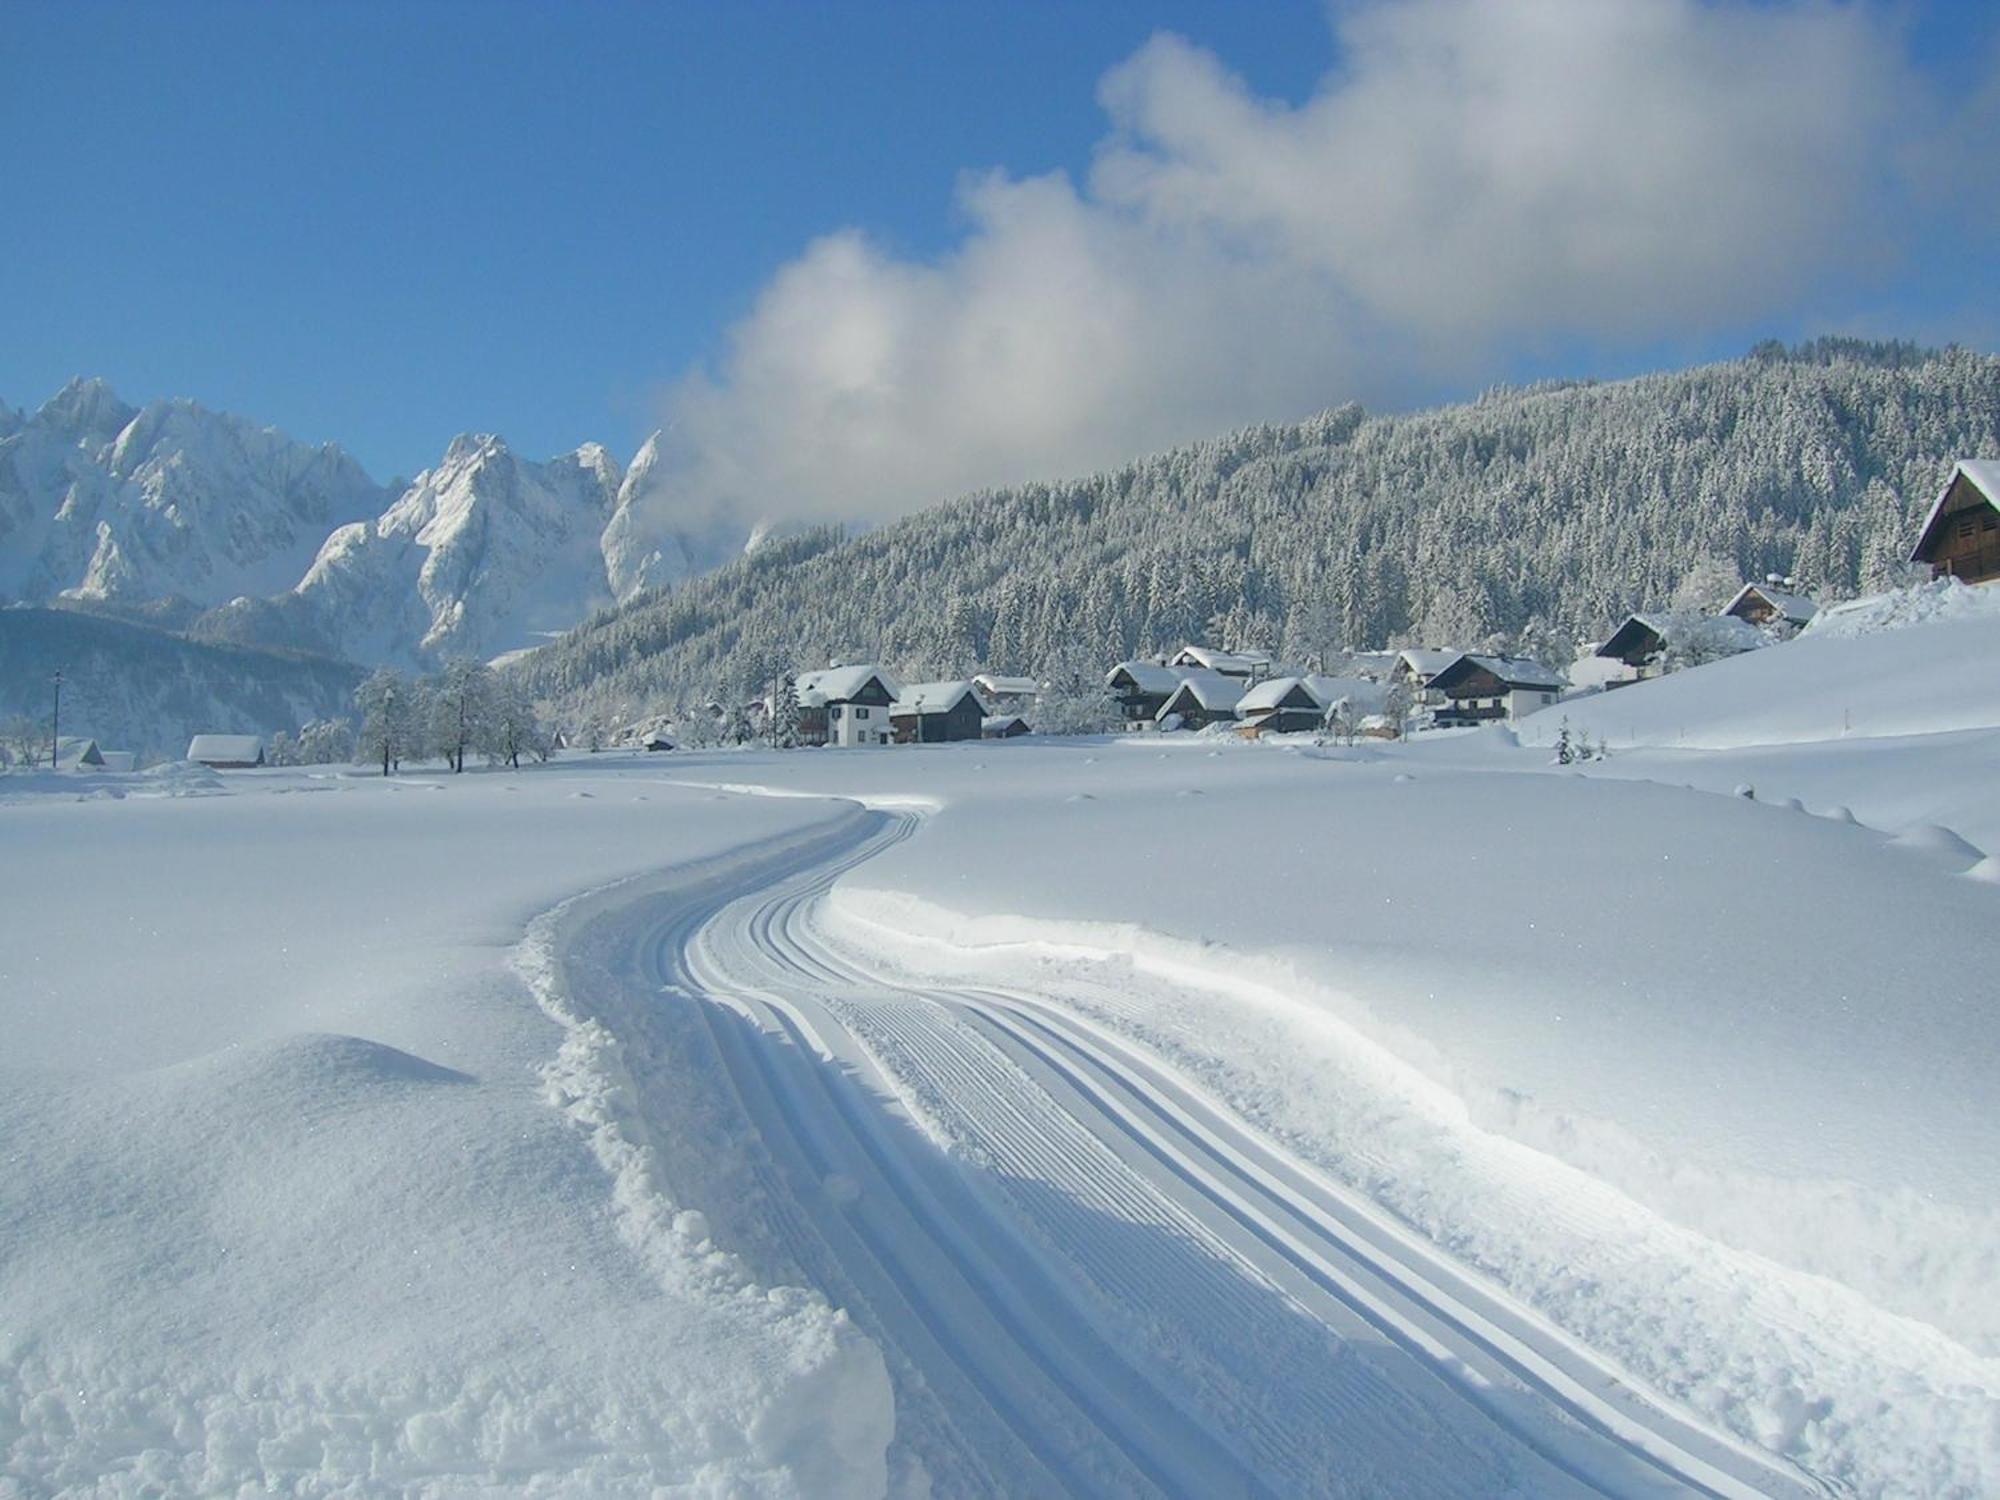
237,532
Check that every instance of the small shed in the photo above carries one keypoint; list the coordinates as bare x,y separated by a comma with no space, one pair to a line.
931,713
1764,604
76,753
658,742
226,752
1960,538
1002,727
120,760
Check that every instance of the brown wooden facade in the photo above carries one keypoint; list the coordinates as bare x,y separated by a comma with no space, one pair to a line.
1962,540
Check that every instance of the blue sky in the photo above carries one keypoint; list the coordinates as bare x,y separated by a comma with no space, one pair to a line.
386,224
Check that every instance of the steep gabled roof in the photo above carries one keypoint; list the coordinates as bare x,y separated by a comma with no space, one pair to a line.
1982,475
1230,663
931,697
1204,689
1796,608
1425,664
842,684
1632,636
1279,692
1148,676
1513,672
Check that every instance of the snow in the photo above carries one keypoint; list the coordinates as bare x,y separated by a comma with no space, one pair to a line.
287,1205
1148,676
1209,689
840,684
1796,608
1112,1115
931,697
1982,473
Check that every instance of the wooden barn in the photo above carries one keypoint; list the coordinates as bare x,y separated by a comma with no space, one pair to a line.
1002,727
1482,689
1961,536
933,713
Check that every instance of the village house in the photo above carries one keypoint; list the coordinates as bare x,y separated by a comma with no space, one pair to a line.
1006,695
226,752
1141,689
1960,538
1250,665
1413,673
1633,652
1481,689
1203,698
931,713
1766,604
1297,705
846,706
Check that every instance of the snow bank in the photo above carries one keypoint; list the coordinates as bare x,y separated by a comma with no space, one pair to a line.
1924,661
287,1208
1942,601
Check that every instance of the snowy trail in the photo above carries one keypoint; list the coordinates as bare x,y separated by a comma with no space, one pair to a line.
1106,1284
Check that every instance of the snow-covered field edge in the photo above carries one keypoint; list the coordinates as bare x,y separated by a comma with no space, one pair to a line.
818,1411
1745,1301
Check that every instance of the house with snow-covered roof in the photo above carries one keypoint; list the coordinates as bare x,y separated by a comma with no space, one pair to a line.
78,753
1140,688
1294,705
1250,665
226,752
1960,538
931,713
846,706
1766,604
1482,689
1203,698
1003,695
1002,727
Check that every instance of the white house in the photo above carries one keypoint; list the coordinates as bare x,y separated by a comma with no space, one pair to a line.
226,752
847,706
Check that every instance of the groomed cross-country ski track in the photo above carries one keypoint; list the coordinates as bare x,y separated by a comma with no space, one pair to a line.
1087,1277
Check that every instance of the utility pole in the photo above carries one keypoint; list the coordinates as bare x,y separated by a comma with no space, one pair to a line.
55,727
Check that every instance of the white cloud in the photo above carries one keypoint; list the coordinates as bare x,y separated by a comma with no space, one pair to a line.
1478,174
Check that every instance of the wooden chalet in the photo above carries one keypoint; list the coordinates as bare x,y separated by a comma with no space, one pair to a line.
846,706
1141,689
931,713
1961,536
1203,698
1483,689
1765,605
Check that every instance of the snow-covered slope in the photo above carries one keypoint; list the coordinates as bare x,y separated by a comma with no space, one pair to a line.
1915,661
106,501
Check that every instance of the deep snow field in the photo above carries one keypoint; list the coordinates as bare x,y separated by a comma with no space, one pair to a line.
1150,1115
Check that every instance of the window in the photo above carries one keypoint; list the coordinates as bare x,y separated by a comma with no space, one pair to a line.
860,713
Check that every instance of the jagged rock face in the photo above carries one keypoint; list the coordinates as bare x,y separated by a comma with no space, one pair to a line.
103,501
485,553
265,541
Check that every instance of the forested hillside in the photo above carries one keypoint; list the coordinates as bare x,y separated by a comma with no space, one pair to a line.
136,688
1540,513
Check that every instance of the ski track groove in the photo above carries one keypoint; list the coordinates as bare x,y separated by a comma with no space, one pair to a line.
991,1269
